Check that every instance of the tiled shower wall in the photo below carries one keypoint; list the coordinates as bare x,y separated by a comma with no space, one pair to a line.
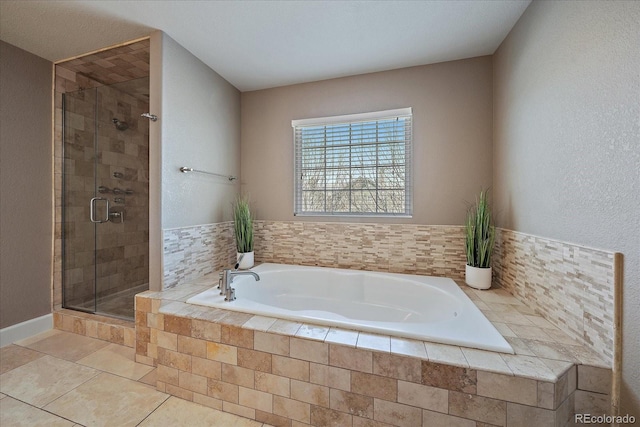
570,285
121,259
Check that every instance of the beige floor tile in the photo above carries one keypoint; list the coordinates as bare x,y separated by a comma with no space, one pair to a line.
17,414
66,345
116,359
35,338
176,411
13,356
108,400
2,396
150,378
43,380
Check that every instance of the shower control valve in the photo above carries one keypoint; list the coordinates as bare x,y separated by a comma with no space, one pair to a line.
116,216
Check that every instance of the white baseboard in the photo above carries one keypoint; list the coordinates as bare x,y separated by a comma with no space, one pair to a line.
26,329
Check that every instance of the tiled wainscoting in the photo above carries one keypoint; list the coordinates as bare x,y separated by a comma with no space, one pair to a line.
431,250
571,285
192,252
290,374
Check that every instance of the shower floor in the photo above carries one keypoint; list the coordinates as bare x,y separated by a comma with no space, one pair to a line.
119,305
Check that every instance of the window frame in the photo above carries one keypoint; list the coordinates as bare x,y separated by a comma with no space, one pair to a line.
349,120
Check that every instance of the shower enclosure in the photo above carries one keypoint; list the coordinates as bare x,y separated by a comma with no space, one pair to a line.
105,206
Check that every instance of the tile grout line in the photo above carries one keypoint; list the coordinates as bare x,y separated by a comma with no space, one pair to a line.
41,409
156,408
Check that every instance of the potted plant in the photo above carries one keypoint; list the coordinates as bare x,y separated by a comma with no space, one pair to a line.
243,232
480,236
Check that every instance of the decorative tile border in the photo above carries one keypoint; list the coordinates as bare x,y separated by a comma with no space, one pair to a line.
431,250
192,252
572,286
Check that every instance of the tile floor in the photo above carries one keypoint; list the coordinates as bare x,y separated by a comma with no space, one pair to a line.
62,379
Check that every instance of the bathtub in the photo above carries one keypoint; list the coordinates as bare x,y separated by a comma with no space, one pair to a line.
418,307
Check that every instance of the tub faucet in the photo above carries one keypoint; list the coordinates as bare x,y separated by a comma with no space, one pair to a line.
226,278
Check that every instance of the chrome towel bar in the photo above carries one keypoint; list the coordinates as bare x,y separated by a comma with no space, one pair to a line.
185,169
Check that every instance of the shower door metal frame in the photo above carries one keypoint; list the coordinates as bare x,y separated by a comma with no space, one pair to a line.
64,210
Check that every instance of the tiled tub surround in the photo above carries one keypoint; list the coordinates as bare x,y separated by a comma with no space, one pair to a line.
292,374
571,285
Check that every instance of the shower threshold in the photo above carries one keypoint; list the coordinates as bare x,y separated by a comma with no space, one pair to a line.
119,305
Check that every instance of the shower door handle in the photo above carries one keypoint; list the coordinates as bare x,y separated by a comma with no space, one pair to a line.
92,210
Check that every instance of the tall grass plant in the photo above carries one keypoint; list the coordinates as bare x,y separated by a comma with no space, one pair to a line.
480,233
243,225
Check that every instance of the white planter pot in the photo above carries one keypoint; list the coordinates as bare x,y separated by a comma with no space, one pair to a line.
479,278
247,260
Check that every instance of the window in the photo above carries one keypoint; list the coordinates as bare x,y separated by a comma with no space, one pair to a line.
358,164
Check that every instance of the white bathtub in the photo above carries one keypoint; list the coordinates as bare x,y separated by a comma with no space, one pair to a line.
420,307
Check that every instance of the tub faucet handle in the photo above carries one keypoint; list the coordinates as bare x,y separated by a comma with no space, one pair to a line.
231,294
224,281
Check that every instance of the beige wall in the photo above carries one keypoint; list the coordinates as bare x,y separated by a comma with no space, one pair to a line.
566,147
452,109
25,186
200,128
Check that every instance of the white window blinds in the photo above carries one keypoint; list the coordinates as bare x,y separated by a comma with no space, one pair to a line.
358,164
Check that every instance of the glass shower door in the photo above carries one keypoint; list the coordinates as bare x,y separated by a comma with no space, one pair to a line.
79,157
122,174
105,198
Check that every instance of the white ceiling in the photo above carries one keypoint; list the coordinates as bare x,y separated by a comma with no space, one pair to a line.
262,44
